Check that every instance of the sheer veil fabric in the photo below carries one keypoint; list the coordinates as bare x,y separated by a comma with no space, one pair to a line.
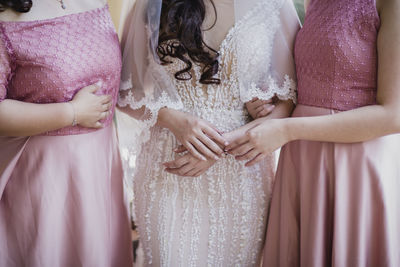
265,65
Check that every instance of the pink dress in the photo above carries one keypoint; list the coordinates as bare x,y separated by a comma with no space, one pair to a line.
336,204
61,193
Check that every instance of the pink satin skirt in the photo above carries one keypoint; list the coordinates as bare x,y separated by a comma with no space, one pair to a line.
335,204
62,202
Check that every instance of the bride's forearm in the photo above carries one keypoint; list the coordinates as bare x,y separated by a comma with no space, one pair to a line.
166,116
353,126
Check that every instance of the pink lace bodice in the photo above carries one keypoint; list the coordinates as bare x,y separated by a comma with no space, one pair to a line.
336,54
48,61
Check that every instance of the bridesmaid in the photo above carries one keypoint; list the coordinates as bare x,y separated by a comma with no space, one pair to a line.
61,194
335,201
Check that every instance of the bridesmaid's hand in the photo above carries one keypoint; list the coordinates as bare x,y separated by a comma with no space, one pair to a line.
89,108
258,142
188,165
198,136
259,108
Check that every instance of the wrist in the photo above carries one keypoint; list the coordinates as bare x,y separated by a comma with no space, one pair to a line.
164,117
73,120
287,129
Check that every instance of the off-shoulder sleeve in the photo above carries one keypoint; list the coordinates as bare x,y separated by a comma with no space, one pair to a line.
265,45
282,63
146,85
5,69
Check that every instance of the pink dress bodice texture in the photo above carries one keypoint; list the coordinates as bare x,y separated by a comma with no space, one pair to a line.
336,54
61,193
48,61
334,203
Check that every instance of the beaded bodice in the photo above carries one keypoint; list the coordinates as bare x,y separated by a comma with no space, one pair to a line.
224,104
219,104
48,61
336,54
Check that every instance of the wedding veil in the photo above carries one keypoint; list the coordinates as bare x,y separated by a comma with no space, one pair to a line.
265,31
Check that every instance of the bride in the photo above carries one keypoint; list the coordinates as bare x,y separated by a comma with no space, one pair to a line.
193,72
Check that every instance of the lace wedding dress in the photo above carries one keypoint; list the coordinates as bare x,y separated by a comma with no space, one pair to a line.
218,218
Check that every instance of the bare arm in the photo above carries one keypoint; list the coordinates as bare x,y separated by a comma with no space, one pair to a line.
282,109
25,119
357,125
372,121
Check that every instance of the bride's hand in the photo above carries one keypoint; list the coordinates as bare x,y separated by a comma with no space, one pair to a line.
256,143
198,136
188,165
258,108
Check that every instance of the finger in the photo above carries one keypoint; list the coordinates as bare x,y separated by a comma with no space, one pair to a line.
265,111
106,107
254,99
210,144
263,107
186,169
241,150
173,171
194,151
237,142
257,103
199,173
103,115
98,125
193,172
180,149
256,160
215,135
92,88
213,128
203,149
248,156
177,163
105,99
269,101
179,172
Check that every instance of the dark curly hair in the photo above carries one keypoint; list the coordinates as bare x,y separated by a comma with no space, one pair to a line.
21,6
181,37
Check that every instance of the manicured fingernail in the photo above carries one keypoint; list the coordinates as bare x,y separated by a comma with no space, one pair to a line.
216,158
203,158
226,143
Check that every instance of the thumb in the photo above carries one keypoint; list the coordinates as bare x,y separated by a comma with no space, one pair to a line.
180,149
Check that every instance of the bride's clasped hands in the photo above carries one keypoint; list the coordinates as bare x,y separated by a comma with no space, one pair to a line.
245,142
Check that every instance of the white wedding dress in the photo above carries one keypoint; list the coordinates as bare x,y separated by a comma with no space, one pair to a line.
219,218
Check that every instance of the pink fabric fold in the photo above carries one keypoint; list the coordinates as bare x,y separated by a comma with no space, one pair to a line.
11,150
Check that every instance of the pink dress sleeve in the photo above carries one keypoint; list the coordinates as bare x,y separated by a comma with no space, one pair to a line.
5,68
